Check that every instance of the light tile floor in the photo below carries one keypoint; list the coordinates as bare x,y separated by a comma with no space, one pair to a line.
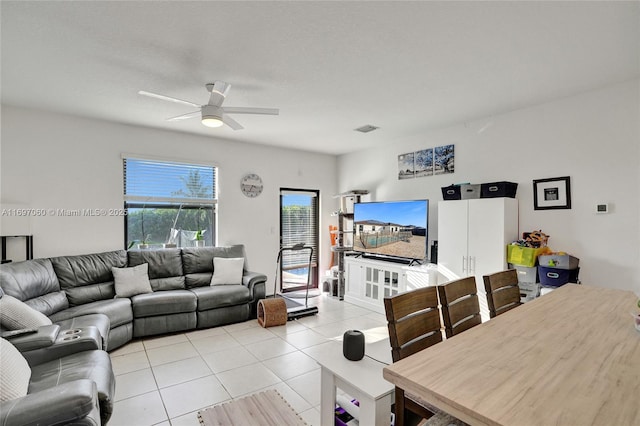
166,380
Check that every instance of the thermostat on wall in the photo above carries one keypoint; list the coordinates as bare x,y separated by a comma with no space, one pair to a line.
602,208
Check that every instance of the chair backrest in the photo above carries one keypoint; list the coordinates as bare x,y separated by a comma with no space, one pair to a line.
413,319
460,307
503,292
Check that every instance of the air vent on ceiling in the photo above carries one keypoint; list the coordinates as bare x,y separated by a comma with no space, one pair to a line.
366,128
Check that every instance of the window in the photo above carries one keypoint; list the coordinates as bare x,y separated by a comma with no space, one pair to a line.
169,203
299,223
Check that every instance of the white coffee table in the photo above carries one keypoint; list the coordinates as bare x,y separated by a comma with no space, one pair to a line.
360,379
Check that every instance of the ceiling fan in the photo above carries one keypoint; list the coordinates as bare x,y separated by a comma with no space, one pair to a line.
213,113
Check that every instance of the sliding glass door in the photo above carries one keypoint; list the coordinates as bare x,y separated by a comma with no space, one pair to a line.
299,224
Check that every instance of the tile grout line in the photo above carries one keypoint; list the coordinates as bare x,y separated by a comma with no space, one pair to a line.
164,407
249,328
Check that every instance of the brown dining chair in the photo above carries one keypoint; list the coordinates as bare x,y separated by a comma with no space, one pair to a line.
502,290
460,307
414,324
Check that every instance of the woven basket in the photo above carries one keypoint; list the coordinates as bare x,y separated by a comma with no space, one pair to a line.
272,312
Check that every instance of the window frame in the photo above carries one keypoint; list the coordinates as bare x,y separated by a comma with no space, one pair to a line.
178,203
315,261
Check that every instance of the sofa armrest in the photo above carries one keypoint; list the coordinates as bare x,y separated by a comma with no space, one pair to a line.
256,283
68,342
251,280
42,337
72,402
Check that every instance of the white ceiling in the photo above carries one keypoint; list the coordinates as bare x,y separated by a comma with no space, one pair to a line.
329,66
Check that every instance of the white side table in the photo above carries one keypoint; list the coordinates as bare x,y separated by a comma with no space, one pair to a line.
360,379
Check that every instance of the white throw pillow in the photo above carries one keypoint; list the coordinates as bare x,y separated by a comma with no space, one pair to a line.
132,281
16,315
14,372
227,270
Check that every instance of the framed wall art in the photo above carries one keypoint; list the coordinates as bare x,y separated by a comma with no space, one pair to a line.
406,166
426,162
423,161
552,193
444,159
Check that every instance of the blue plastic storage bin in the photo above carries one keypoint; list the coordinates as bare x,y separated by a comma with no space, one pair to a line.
555,277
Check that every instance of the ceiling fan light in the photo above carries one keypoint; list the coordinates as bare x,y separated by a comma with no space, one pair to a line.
211,121
212,115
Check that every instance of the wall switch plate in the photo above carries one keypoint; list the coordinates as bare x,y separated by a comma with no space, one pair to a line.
602,208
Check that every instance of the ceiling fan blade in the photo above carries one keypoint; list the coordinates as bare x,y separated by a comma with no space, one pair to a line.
167,98
216,99
185,116
219,91
221,87
249,110
232,123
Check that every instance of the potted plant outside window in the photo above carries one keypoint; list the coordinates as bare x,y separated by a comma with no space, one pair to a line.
144,243
173,232
199,238
145,237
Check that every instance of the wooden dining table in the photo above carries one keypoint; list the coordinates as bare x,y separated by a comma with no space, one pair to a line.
571,357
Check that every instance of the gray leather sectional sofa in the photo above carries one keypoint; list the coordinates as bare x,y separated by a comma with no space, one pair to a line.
60,374
68,288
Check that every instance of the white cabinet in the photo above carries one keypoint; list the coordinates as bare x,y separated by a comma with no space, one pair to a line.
472,239
369,281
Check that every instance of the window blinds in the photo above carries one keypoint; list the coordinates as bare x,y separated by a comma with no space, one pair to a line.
299,221
165,181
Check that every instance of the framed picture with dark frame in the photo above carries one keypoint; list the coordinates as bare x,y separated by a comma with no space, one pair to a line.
552,193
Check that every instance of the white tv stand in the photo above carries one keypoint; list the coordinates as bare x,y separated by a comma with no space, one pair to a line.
369,281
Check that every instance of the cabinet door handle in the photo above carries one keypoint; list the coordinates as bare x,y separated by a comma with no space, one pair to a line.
464,264
472,269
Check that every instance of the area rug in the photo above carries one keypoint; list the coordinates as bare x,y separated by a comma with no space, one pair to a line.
266,408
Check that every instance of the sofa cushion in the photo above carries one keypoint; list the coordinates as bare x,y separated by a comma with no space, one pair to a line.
28,279
198,262
88,278
199,279
227,271
14,372
220,296
132,281
118,310
163,302
165,267
49,303
15,315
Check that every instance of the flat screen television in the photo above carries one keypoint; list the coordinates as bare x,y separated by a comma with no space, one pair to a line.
391,229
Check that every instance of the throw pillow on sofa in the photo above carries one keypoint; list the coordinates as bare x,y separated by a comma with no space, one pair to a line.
16,315
132,281
227,270
14,372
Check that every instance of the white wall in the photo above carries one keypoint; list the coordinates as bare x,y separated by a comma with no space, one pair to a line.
65,162
594,138
69,162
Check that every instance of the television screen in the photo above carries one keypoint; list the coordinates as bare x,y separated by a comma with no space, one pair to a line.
391,228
